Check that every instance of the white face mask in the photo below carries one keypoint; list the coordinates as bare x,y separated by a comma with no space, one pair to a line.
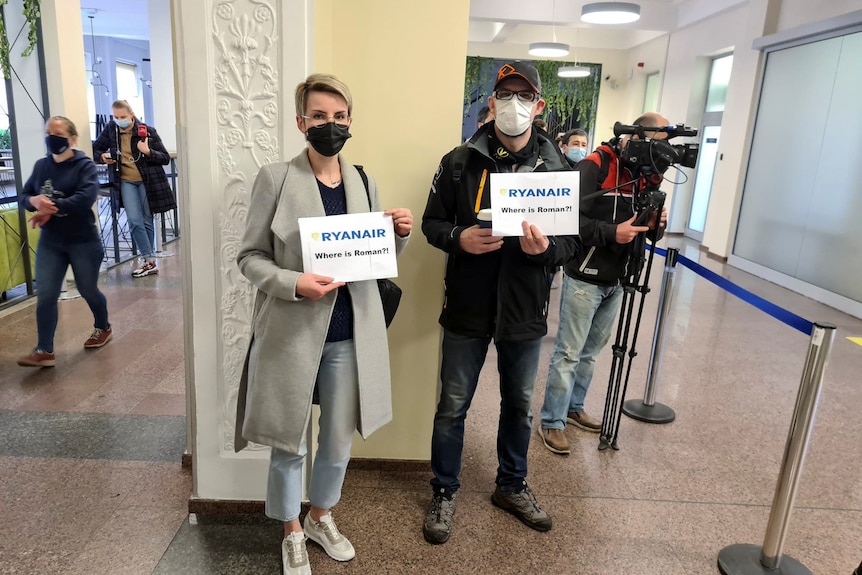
513,116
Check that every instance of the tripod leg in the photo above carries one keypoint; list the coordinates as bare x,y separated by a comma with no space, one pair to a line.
618,362
638,268
607,424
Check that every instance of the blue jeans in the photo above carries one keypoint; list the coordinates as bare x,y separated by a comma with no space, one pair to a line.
587,314
463,357
338,390
138,215
53,257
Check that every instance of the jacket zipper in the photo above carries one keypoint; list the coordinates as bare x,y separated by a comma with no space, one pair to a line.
587,259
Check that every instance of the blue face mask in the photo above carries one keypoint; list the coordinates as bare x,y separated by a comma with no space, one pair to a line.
123,123
576,154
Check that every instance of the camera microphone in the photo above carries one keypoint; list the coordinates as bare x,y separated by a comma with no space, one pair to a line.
621,129
142,131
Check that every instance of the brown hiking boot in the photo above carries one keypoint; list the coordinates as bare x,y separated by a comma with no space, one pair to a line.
584,421
556,441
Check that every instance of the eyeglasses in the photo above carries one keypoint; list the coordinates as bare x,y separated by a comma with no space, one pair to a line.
317,119
523,95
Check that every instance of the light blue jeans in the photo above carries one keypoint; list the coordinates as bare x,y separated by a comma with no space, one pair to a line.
587,314
338,390
138,215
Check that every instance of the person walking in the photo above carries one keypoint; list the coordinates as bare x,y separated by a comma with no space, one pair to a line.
135,154
61,191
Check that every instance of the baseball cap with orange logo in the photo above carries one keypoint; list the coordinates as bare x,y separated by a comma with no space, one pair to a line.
521,70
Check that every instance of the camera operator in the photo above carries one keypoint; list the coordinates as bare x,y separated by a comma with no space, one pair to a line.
591,285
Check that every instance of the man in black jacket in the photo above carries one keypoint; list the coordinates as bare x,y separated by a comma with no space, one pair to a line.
495,288
591,292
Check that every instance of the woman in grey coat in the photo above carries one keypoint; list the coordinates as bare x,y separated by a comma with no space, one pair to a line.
310,333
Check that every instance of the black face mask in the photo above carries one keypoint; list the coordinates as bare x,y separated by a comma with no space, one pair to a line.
328,139
56,144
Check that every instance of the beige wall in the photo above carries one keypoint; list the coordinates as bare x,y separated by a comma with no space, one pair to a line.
64,65
407,88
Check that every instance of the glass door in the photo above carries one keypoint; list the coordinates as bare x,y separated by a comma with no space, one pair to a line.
719,78
703,182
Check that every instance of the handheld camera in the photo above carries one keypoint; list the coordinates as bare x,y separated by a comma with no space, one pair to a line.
652,157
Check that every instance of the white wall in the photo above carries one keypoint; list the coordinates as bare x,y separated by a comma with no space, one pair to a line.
162,72
798,12
219,161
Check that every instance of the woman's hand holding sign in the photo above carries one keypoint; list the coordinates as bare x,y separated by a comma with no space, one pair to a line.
402,221
315,287
533,242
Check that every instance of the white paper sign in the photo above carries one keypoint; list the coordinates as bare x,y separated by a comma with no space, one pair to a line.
349,247
548,200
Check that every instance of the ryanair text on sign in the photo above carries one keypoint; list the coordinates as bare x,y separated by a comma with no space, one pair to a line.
349,247
548,200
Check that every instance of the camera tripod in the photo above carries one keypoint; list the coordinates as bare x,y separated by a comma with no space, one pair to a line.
639,265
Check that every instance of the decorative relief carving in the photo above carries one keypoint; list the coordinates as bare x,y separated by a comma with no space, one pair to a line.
245,37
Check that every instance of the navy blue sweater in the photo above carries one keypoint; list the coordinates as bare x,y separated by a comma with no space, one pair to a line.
75,187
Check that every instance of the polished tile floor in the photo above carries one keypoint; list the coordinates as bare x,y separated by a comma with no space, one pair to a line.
90,480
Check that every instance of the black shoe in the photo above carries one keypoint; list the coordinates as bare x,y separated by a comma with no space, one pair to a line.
524,506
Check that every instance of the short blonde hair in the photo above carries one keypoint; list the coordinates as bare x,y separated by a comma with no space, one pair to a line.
322,83
70,125
123,104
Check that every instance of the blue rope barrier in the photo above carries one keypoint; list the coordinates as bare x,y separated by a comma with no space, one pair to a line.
779,313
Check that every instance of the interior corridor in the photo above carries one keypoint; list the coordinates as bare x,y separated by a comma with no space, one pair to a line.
91,480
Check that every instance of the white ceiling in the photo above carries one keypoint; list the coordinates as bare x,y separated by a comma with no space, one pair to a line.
491,21
116,18
523,22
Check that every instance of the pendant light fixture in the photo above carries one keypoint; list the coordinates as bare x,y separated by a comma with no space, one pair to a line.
575,71
95,78
610,12
550,49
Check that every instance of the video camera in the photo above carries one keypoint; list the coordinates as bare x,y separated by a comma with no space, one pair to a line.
653,157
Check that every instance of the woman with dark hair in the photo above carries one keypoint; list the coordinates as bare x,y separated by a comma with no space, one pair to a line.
61,190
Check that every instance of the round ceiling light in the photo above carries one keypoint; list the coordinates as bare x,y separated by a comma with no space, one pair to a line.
573,72
549,49
610,12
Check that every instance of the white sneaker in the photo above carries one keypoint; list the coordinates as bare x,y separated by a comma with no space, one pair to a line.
326,534
146,268
294,556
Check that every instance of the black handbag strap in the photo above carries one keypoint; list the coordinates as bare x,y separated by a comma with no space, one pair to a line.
364,177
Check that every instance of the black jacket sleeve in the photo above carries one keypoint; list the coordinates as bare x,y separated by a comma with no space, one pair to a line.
103,142
594,230
439,222
559,252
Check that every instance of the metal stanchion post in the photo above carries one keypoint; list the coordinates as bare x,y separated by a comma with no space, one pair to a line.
648,410
744,559
158,220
